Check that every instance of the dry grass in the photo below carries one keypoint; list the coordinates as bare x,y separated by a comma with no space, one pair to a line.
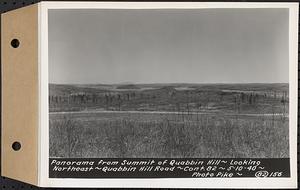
145,135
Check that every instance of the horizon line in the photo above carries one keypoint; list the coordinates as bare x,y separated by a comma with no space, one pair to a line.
168,83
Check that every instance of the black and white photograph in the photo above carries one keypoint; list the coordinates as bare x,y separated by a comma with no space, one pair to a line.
150,94
169,94
201,83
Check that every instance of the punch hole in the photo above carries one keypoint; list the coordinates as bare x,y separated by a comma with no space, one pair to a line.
15,43
16,146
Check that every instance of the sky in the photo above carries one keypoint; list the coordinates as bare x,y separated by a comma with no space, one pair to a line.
168,46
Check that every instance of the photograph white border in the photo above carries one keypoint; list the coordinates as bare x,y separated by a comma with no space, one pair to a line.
44,179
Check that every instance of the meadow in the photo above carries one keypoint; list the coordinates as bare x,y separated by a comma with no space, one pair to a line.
169,120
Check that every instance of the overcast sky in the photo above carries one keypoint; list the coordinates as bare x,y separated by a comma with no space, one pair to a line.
168,46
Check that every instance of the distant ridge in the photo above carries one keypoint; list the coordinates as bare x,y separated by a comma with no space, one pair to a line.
128,86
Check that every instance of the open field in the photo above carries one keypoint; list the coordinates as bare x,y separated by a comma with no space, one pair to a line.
173,120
